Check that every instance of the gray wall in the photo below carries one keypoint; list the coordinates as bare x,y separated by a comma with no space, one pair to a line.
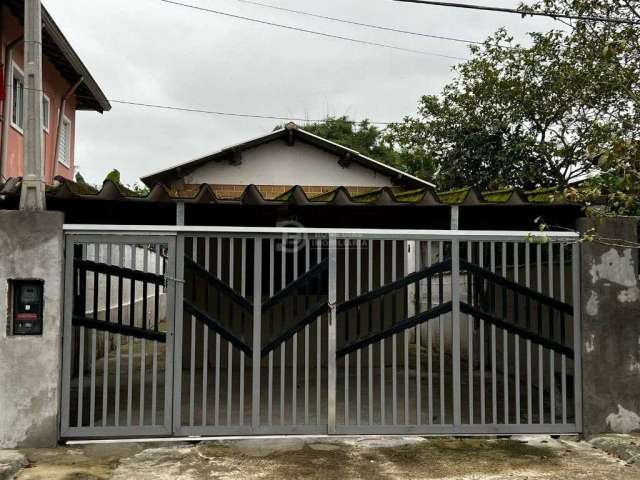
611,328
31,246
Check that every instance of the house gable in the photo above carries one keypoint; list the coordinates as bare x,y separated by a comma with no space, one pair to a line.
290,156
276,163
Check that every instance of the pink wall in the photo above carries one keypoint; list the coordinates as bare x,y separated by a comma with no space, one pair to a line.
55,87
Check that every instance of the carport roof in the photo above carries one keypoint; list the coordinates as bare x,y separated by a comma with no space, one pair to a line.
251,195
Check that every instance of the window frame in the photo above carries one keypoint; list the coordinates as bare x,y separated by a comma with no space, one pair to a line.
20,74
46,116
66,161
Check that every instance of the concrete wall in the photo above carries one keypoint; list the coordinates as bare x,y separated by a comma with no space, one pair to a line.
611,328
276,163
32,247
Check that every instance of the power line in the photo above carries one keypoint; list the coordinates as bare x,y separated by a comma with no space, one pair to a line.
312,32
588,18
215,112
360,24
230,114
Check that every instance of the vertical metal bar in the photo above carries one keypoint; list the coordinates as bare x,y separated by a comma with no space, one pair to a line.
405,256
205,339
494,373
370,359
332,336
417,264
455,325
105,356
318,341
143,342
516,338
257,333
577,334
394,376
120,263
470,333
192,368
346,320
429,339
216,399
540,349
359,351
243,292
527,274
552,397
272,282
441,335
94,339
81,376
307,266
283,282
382,324
232,264
67,358
132,304
154,374
483,408
294,341
175,312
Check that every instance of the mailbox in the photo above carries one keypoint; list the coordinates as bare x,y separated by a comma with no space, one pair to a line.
28,307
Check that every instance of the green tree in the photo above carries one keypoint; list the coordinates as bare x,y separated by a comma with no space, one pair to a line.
540,114
369,140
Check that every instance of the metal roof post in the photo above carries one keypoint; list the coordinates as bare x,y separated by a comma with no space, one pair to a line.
455,217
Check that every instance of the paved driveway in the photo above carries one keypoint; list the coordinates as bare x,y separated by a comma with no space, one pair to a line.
334,458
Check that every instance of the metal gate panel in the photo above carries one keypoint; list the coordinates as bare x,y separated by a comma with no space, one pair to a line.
250,337
287,331
117,339
453,336
213,373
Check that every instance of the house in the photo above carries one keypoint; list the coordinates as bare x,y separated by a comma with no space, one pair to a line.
279,160
68,88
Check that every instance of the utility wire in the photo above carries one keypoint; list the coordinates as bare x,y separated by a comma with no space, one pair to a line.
230,114
312,32
589,18
212,112
360,24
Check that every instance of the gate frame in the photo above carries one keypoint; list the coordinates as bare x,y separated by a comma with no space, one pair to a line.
123,236
175,236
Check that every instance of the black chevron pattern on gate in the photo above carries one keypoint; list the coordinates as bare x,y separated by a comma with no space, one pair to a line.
218,306
518,309
294,307
492,298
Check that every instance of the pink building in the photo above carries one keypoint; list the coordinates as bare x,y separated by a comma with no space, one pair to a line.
68,87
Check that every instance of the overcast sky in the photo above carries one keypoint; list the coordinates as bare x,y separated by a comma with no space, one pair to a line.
152,52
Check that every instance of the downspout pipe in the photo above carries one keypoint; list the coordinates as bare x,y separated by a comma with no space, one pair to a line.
63,105
8,101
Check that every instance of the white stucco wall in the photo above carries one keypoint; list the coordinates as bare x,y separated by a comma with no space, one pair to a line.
276,163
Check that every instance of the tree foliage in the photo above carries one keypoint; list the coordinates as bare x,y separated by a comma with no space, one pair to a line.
560,108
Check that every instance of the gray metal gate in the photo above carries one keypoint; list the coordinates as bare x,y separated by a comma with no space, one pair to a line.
117,339
306,331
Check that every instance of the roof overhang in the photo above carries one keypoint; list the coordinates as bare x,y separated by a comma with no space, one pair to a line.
59,51
289,133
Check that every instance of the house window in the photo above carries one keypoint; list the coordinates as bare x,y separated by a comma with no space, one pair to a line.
17,114
46,109
64,147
